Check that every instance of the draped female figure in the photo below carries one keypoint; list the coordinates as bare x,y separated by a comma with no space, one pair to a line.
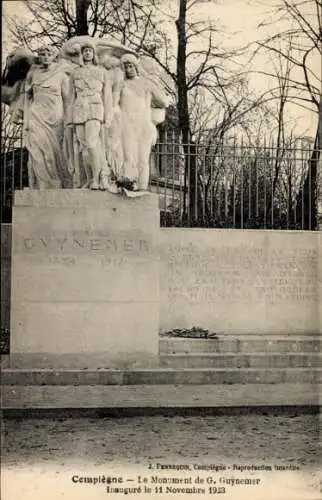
138,131
46,101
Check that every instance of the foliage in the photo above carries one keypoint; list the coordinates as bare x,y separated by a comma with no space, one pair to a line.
4,341
14,176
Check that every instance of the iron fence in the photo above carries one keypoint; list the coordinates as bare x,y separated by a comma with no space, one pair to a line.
237,185
226,185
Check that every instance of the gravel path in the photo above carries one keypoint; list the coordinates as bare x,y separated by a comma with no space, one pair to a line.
294,437
58,447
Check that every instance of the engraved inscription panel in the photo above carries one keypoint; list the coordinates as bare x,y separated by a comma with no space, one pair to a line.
246,274
97,248
113,265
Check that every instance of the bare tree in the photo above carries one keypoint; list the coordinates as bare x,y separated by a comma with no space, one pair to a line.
10,132
54,21
298,47
198,67
212,96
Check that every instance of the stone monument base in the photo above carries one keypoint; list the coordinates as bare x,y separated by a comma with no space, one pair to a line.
85,280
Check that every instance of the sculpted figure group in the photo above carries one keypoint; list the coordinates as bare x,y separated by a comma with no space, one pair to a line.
89,117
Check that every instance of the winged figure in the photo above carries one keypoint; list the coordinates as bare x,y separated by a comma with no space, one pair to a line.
136,104
36,89
89,115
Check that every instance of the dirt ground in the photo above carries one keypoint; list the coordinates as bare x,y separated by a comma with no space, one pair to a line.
69,444
294,438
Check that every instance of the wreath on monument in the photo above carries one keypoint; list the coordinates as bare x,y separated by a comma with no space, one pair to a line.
196,332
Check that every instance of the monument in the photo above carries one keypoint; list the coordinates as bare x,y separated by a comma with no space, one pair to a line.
87,244
85,278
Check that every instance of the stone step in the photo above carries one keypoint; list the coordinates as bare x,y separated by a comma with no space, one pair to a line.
257,360
161,376
88,397
242,344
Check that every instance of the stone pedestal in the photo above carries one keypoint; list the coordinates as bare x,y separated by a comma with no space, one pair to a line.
85,279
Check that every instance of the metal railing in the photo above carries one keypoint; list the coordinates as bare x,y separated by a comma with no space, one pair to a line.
237,185
226,185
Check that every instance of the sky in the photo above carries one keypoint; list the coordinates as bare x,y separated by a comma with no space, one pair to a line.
239,20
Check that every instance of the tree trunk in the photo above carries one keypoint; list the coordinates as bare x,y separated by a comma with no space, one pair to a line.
309,193
183,112
319,173
82,7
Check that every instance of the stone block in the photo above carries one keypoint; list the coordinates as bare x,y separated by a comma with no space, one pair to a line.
248,344
272,361
161,376
85,278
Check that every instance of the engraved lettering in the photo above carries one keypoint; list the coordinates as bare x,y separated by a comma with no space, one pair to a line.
80,244
96,244
128,245
44,242
232,274
111,244
61,243
144,245
28,243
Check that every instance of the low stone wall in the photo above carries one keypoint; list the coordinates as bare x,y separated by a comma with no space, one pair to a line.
5,275
228,281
